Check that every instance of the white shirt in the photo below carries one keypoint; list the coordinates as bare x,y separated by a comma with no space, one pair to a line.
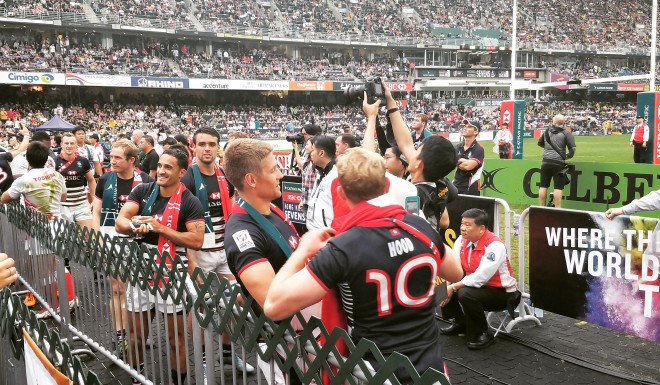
99,154
503,136
320,212
400,189
42,189
20,166
86,150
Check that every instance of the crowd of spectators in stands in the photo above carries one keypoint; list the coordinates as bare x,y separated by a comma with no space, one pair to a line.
619,24
44,53
302,16
378,18
31,56
220,15
584,118
266,64
466,14
143,13
154,58
589,70
41,8
587,23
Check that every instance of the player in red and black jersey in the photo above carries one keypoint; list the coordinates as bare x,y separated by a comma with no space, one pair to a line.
207,181
80,184
384,262
170,218
253,253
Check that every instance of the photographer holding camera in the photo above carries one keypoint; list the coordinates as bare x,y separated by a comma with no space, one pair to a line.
555,140
429,162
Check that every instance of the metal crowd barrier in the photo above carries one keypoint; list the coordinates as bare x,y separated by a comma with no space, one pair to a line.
512,222
15,317
209,306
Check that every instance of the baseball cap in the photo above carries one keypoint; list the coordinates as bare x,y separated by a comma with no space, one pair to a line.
641,117
94,136
473,123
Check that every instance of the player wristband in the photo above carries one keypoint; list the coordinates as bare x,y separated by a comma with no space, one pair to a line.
392,110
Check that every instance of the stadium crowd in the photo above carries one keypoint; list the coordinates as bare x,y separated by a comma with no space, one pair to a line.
579,23
277,122
142,13
41,8
218,15
586,23
45,53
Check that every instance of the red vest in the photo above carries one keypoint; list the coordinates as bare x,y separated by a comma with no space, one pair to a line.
477,254
638,133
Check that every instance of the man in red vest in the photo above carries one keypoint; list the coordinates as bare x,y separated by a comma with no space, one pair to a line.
638,139
488,284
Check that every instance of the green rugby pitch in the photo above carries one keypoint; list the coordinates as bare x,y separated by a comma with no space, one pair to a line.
610,148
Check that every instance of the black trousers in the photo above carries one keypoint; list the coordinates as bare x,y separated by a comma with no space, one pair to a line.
467,307
504,151
639,153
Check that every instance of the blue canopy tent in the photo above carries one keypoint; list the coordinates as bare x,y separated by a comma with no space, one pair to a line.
56,124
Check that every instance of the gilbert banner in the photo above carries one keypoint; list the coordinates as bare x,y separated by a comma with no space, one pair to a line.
648,106
605,272
513,113
593,186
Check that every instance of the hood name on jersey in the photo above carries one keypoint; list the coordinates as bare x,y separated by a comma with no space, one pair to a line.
400,246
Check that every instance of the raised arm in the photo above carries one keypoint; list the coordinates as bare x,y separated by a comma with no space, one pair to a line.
399,127
371,112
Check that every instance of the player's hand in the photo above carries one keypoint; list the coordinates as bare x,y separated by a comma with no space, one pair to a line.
147,224
391,103
450,292
370,109
644,145
613,213
8,274
314,240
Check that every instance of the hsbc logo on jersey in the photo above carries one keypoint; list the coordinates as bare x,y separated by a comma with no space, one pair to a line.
293,242
71,173
215,195
123,198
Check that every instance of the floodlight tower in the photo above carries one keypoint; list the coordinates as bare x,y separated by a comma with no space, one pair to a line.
514,50
654,31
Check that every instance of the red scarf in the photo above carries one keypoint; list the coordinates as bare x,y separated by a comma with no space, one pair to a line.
170,219
332,313
224,192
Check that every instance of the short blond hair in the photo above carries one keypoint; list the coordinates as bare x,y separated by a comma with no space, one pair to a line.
244,156
361,174
130,149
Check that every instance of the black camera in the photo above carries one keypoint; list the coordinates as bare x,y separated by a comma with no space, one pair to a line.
373,87
298,138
